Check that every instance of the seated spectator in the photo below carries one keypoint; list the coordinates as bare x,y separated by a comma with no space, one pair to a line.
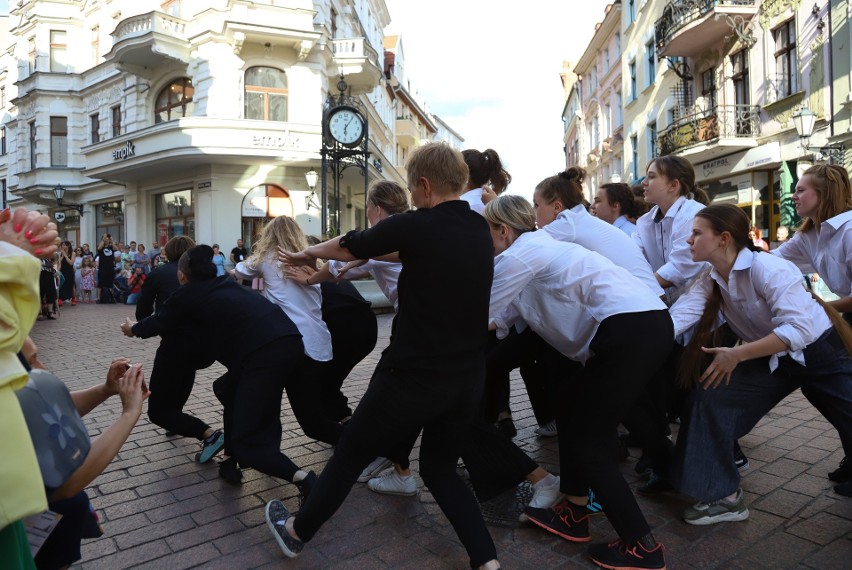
135,283
142,259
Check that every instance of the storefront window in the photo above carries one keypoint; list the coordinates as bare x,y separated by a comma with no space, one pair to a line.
175,215
260,204
109,219
68,224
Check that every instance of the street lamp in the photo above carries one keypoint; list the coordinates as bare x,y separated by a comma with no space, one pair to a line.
59,193
804,121
310,200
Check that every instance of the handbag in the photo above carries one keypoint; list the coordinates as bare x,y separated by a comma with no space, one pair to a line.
59,436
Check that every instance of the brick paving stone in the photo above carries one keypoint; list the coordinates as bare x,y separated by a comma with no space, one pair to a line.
161,508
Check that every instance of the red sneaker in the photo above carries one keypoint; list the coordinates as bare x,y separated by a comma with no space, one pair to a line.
73,302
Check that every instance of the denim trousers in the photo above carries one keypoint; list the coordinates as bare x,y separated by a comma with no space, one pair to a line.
714,419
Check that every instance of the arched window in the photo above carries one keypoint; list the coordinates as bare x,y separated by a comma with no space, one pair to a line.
174,101
266,94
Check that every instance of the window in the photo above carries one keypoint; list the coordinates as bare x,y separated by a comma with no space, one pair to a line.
2,97
96,45
787,80
171,7
32,127
631,11
59,141
95,128
3,189
32,55
266,94
618,105
607,120
116,120
634,149
739,65
651,65
632,69
596,133
333,23
652,140
58,51
174,101
175,215
708,89
2,140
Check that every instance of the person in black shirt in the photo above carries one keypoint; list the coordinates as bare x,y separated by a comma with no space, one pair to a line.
239,254
431,375
106,269
258,344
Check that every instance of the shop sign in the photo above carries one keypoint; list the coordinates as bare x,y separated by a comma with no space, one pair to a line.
751,159
125,152
287,139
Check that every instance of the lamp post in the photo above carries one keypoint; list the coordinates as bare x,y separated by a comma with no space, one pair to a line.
804,121
59,193
311,178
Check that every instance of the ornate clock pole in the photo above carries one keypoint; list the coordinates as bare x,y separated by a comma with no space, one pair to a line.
344,145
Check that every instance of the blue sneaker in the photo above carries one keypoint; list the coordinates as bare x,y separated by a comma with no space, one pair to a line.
593,506
211,446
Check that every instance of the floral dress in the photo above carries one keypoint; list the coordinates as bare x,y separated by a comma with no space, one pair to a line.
87,279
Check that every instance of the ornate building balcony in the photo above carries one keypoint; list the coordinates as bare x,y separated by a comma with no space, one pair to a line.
689,27
407,131
149,40
358,62
702,134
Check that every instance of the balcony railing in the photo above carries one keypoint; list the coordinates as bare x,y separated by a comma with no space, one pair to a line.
142,24
354,48
680,13
695,126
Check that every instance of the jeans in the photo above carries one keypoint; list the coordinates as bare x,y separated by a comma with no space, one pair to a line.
394,404
714,419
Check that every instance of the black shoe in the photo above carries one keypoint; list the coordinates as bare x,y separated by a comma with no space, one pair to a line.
844,489
643,466
740,460
305,487
617,555
655,486
566,520
230,471
507,429
276,519
843,471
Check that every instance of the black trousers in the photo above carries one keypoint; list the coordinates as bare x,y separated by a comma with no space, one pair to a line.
628,350
354,333
171,381
305,388
251,397
494,463
394,404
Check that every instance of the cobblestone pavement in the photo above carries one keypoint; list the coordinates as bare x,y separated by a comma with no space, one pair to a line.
162,510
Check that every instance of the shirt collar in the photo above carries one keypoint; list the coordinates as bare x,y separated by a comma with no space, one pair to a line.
672,211
839,219
744,260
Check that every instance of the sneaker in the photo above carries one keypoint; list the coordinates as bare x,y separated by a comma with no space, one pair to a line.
392,483
73,302
305,487
566,520
547,430
740,460
844,489
211,446
843,471
617,555
276,517
507,428
230,471
545,494
643,466
593,506
59,302
378,465
655,485
717,511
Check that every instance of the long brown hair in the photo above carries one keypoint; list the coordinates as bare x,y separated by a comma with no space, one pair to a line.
831,183
567,187
486,167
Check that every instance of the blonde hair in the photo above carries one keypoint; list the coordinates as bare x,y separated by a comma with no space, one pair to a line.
389,196
513,211
441,164
282,231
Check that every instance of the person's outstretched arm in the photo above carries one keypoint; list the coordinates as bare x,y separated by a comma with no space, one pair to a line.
87,400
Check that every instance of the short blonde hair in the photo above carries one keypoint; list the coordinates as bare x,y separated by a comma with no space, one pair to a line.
441,164
511,210
389,196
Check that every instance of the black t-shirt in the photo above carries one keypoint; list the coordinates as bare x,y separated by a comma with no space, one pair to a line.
444,286
239,254
106,262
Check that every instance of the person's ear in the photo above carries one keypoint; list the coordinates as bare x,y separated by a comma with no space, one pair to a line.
558,206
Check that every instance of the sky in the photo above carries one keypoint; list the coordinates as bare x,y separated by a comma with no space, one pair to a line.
490,69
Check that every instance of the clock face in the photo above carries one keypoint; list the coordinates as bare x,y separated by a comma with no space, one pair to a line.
345,126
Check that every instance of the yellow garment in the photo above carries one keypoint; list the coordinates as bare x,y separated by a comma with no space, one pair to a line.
21,486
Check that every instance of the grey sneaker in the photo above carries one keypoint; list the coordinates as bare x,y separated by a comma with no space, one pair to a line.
375,467
392,483
547,430
276,517
717,511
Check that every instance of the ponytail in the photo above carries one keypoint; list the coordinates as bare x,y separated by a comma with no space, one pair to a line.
844,331
694,360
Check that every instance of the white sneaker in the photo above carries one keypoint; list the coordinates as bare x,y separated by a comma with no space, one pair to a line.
375,467
392,483
547,430
545,494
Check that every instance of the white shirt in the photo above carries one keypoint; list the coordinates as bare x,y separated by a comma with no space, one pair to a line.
625,225
763,295
579,226
563,292
386,274
663,242
301,303
474,198
828,252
